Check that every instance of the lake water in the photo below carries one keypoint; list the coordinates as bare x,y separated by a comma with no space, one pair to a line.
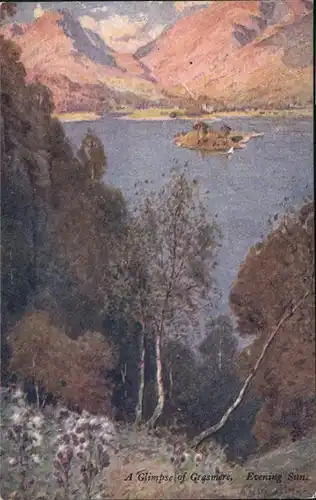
274,174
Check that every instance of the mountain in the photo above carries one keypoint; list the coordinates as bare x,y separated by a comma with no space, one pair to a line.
239,53
229,55
77,65
14,30
144,50
86,42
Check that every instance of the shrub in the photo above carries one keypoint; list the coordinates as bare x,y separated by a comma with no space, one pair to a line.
72,371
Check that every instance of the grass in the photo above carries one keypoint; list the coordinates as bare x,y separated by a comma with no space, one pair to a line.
152,113
182,114
77,116
138,453
270,113
142,114
296,457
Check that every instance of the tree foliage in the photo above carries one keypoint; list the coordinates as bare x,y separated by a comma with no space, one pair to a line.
92,156
73,371
16,268
208,382
7,10
275,275
61,228
203,387
177,243
167,267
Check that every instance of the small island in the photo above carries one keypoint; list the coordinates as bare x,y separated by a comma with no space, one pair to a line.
204,137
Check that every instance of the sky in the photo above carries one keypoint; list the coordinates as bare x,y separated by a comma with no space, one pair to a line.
125,26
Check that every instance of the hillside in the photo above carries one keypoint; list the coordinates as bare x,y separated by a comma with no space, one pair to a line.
130,453
275,276
236,55
239,54
64,238
78,67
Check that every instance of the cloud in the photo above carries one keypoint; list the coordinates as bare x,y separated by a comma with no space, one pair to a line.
156,31
89,23
38,11
181,6
100,9
119,32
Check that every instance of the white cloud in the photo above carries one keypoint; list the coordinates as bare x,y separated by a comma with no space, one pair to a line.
100,9
89,23
119,32
156,31
142,17
38,11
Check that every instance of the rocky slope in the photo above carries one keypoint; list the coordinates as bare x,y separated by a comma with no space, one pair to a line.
79,68
247,52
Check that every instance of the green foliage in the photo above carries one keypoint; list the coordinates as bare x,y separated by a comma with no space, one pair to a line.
16,270
211,382
12,73
219,346
236,138
60,150
176,241
92,156
203,388
165,262
41,97
58,242
102,264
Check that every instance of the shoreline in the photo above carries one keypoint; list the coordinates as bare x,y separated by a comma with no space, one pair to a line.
77,116
304,112
151,115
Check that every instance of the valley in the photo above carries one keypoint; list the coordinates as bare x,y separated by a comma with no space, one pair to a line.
212,58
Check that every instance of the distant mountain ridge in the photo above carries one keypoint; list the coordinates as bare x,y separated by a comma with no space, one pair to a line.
85,41
146,49
241,54
77,65
245,53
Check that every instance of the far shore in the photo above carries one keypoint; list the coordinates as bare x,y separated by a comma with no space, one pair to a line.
77,116
150,115
156,114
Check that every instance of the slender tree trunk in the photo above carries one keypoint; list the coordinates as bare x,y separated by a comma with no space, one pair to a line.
37,395
170,381
139,407
160,385
211,430
36,384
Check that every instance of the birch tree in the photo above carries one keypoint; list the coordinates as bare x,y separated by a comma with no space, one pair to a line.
175,242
